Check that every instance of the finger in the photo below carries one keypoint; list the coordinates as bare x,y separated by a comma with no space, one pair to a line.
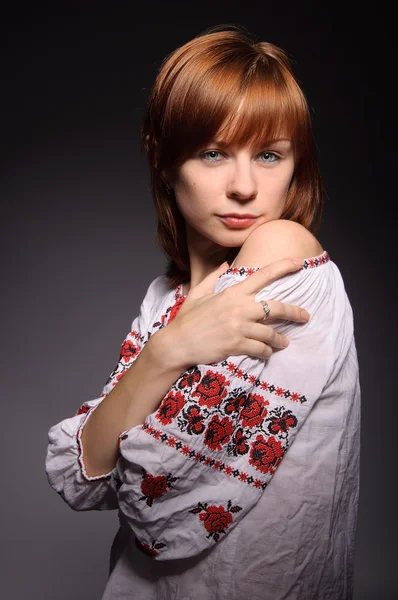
266,275
206,286
267,335
256,349
278,310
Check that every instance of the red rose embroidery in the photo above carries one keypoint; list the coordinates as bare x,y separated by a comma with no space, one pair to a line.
254,411
218,432
174,309
240,441
83,409
195,420
212,389
154,486
235,404
170,407
266,454
215,518
283,423
189,378
128,351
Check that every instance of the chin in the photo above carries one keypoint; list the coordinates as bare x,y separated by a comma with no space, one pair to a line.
233,239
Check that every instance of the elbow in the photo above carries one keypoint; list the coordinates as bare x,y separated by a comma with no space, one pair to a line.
79,493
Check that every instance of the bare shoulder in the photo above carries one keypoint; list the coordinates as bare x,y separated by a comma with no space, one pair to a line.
276,240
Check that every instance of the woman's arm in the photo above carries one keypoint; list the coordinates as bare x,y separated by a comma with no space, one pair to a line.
137,394
202,460
82,468
201,337
64,465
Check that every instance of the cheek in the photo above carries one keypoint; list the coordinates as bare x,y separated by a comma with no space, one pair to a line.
280,184
195,196
190,204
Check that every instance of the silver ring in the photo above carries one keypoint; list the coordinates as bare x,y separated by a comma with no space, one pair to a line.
266,309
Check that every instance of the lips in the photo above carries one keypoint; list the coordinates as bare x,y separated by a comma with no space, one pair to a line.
238,216
238,221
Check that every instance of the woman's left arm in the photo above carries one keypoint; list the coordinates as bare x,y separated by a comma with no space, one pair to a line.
201,461
64,462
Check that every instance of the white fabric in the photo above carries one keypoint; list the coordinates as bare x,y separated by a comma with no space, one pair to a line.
271,515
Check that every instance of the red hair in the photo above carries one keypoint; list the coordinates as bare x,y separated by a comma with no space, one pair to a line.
223,84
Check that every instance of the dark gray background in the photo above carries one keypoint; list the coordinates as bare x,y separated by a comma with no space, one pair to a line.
78,247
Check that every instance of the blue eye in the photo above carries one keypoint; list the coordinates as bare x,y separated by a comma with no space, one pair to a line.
210,158
271,155
213,156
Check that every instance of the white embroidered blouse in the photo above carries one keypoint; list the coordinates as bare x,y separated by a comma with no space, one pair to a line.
245,481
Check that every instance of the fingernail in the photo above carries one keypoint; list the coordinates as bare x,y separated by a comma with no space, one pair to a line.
285,342
304,315
298,261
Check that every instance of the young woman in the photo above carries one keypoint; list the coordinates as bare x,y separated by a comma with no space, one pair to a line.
227,436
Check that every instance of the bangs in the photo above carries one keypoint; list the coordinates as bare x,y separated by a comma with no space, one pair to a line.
247,103
265,113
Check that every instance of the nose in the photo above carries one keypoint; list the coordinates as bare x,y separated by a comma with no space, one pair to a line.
242,184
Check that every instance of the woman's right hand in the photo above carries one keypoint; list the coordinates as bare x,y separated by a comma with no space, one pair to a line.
210,327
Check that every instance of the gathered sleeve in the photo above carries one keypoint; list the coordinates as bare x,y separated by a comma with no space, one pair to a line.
64,463
202,460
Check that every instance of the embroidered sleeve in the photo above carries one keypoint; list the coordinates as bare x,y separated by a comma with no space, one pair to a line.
199,463
65,455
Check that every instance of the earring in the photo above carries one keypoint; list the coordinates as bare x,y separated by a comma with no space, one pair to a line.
168,188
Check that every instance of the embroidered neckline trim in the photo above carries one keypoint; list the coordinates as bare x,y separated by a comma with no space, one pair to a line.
309,263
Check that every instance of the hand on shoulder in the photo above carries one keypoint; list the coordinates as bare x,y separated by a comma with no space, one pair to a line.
275,240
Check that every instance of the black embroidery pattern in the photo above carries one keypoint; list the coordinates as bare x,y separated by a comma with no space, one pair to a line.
204,459
261,383
230,420
309,263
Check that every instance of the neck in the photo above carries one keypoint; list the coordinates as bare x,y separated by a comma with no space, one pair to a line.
204,257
